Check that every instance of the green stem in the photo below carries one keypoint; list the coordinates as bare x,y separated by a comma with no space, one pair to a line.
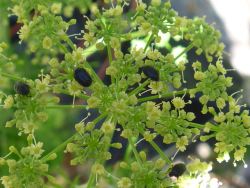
90,180
91,177
99,118
160,152
61,146
65,50
137,156
87,65
128,153
200,126
166,95
13,77
189,47
62,106
70,43
110,59
7,155
109,54
82,96
58,148
139,88
149,41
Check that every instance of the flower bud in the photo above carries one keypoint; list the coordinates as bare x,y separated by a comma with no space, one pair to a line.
8,102
98,169
47,42
107,127
2,161
160,163
124,183
178,102
56,8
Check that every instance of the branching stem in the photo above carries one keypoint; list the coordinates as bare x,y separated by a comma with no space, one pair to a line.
63,145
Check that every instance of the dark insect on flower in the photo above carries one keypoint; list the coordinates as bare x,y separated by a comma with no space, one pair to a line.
22,88
177,170
82,77
150,72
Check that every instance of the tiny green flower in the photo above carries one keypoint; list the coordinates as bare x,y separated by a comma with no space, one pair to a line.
98,169
124,183
108,127
47,42
8,102
178,103
182,143
56,8
239,154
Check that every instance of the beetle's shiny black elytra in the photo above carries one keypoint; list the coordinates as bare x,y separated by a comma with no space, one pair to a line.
22,88
150,72
82,77
177,170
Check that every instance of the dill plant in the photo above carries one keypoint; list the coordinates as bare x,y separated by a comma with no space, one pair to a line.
146,69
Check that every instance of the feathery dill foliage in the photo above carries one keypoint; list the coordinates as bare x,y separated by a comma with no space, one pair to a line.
44,31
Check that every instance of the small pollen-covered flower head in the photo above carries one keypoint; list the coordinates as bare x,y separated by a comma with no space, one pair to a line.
98,169
82,77
80,127
156,87
36,150
239,154
182,143
220,102
156,2
47,42
198,75
56,8
124,183
178,103
93,102
8,102
2,161
108,127
24,32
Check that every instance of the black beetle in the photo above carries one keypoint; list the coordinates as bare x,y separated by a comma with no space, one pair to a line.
177,170
82,77
22,88
150,72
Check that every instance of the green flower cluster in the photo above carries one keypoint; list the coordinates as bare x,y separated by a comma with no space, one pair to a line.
198,174
107,29
231,130
30,109
26,10
90,145
44,31
155,18
173,124
201,35
29,170
212,83
146,173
